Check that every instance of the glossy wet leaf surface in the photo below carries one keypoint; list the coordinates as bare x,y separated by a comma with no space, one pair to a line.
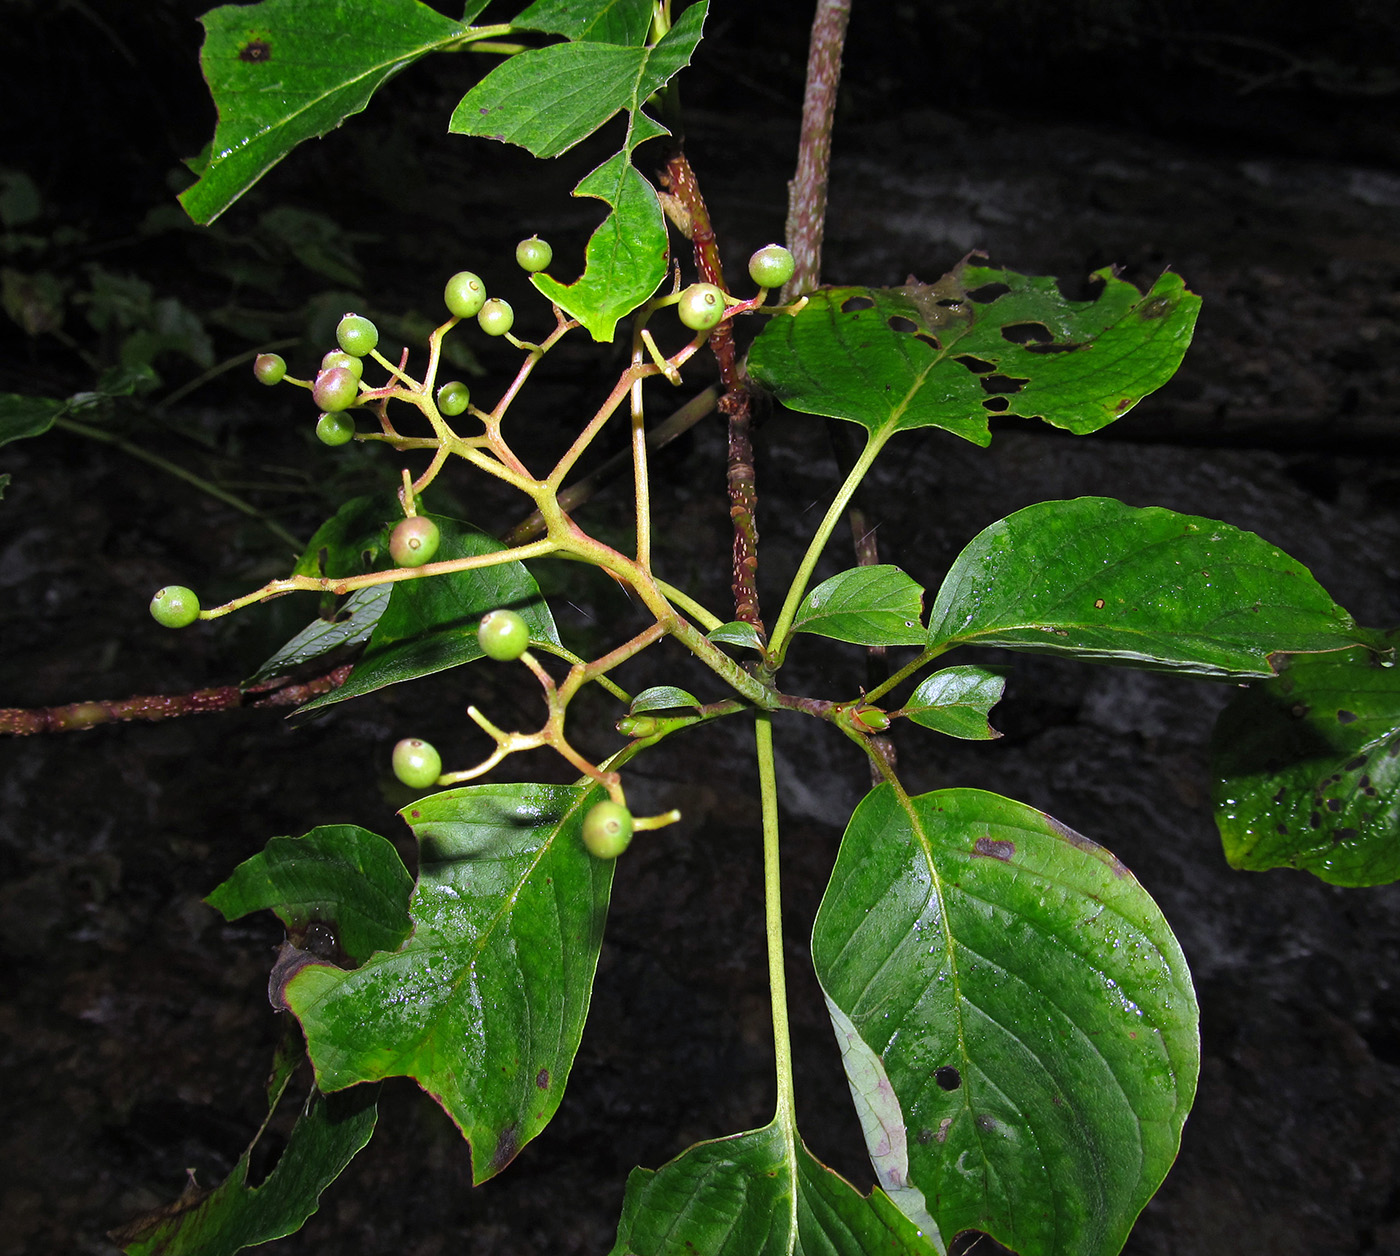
979,342
1016,1018
1307,770
430,624
957,701
1142,587
755,1194
875,605
340,874
282,72
484,1004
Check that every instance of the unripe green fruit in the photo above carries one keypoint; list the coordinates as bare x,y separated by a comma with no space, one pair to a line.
175,606
465,294
453,398
335,389
338,357
417,763
356,335
335,429
496,317
533,254
269,368
503,635
414,541
607,829
701,306
872,718
772,266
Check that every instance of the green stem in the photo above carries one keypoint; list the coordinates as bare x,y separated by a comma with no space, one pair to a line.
904,673
782,630
786,1114
189,477
706,619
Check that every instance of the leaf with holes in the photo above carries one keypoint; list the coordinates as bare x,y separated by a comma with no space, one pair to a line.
1017,1021
484,1004
284,71
1307,770
760,1195
875,605
430,624
338,873
1141,587
957,701
978,342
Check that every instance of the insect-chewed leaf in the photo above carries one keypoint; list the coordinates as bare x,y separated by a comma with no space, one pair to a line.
977,343
1307,770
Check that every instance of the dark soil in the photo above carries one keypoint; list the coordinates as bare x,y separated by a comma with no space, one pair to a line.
135,1034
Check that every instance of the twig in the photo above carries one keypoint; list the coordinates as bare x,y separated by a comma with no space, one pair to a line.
679,178
76,716
806,219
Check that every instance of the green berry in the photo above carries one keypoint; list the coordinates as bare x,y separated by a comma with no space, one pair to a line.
336,428
701,306
533,254
356,335
175,606
772,266
335,389
503,635
414,541
269,368
495,317
465,294
417,763
607,829
338,357
453,398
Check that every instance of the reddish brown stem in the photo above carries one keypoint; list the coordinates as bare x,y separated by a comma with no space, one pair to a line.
680,180
80,715
806,220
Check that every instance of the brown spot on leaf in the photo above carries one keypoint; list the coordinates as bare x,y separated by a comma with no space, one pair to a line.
1157,307
255,51
507,1145
1098,603
542,1079
994,849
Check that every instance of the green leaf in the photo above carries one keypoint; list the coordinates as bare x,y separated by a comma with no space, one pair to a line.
352,539
284,71
757,1194
957,701
324,1140
22,417
738,633
1307,770
338,873
626,257
950,355
484,1005
606,21
876,605
662,698
430,623
1141,587
1017,1021
354,623
549,99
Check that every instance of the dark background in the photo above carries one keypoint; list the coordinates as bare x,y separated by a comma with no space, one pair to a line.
1254,151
